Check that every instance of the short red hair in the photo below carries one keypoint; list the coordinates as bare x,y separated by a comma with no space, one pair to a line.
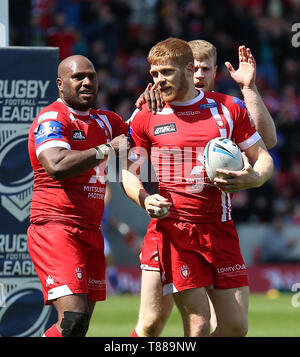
172,50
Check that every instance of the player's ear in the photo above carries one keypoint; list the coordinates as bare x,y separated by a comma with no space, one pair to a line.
215,70
190,69
59,83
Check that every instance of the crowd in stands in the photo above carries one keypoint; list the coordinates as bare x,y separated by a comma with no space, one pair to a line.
117,34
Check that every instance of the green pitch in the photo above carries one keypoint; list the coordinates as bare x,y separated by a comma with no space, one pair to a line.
268,317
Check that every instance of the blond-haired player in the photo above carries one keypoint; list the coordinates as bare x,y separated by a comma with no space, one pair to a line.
155,307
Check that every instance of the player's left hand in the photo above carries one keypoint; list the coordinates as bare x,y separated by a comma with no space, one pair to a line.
232,181
245,75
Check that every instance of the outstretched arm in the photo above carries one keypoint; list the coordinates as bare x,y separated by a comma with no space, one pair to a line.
245,77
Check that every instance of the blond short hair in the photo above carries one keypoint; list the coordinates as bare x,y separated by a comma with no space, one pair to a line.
203,49
172,50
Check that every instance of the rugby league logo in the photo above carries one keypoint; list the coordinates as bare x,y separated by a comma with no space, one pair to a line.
16,179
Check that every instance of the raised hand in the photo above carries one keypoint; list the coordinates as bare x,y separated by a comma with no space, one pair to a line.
245,75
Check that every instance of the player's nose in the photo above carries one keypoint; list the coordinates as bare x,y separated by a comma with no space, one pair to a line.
160,78
87,81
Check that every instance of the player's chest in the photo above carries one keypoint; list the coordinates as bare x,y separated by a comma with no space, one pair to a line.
86,134
183,132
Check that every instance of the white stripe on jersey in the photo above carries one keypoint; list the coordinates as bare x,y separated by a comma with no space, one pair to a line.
250,141
216,115
224,210
226,206
229,120
229,206
47,115
72,117
133,115
52,144
106,122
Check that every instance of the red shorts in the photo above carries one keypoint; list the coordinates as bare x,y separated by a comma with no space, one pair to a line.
68,260
197,255
149,255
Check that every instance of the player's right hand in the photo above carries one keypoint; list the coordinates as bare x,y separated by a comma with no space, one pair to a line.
120,144
245,75
157,206
152,97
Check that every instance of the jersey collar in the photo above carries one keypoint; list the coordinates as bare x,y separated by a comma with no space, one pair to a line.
190,102
74,111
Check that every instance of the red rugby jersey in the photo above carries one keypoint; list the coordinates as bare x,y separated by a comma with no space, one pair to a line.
78,200
175,139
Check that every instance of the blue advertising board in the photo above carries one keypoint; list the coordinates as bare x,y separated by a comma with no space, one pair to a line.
27,84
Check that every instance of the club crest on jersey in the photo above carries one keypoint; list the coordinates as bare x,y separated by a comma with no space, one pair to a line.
78,135
185,271
78,273
165,129
49,280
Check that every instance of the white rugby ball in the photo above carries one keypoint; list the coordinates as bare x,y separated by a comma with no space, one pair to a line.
222,153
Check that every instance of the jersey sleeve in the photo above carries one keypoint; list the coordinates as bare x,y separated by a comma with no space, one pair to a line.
244,131
52,130
139,124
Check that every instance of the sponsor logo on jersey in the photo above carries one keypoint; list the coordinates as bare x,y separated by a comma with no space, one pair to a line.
48,130
208,105
240,102
78,135
165,129
189,112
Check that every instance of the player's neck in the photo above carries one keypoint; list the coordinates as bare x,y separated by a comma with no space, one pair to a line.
191,94
72,110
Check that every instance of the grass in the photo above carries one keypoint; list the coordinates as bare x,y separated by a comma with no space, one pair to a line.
268,317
